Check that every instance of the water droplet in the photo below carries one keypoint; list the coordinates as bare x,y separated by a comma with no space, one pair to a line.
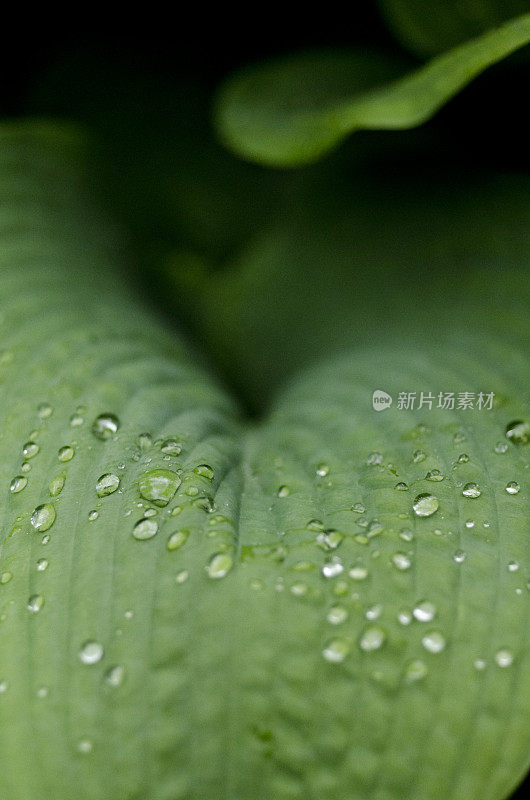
105,426
30,450
330,539
513,487
504,658
177,539
513,566
35,603
66,453
5,577
205,502
322,470
518,432
91,652
337,615
358,508
145,529
470,523
151,512
43,517
463,458
424,611
42,564
299,589
57,485
471,490
171,447
374,459
284,491
219,565
84,746
182,577
159,485
358,573
404,617
3,686
425,505
44,411
401,487
204,470
459,437
107,484
500,448
332,568
406,534
434,642
401,561
415,671
434,475
374,612
42,692
418,456
76,420
17,484
93,515
114,676
315,525
336,650
26,466
479,664
372,639
459,556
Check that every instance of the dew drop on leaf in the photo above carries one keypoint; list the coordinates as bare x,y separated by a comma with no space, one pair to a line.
401,487
501,447
424,611
358,508
30,450
336,650
56,485
43,517
322,470
105,426
177,539
171,447
284,491
415,671
84,746
418,456
35,603
93,515
434,475
91,652
434,642
504,658
358,573
332,568
372,639
115,675
219,565
44,411
425,505
518,432
459,556
107,484
337,615
204,470
401,561
145,529
512,487
66,453
17,484
159,485
42,564
471,490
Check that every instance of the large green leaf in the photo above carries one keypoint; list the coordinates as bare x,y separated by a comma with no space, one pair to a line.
432,26
262,643
293,110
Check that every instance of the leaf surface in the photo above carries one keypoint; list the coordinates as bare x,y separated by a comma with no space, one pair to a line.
251,646
294,110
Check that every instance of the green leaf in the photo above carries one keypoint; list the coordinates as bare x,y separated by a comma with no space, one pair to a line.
432,26
232,645
294,110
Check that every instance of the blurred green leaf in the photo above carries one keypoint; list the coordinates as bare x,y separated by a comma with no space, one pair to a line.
429,27
241,651
294,110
